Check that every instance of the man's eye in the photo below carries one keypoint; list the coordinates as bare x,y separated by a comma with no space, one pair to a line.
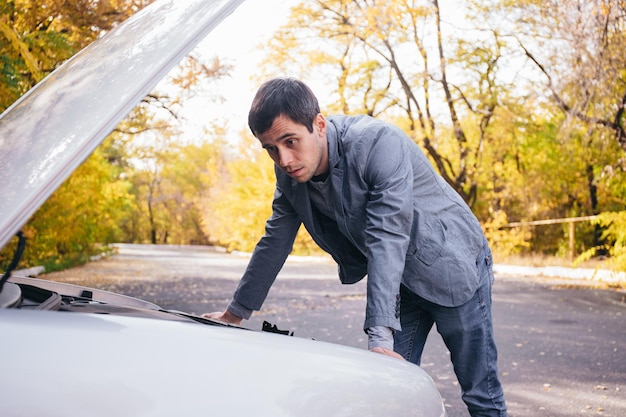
291,142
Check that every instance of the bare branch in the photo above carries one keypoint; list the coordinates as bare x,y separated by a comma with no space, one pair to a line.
615,125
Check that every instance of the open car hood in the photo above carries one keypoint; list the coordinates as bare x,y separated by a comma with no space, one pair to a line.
52,129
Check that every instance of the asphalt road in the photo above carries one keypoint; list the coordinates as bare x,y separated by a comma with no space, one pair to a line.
562,345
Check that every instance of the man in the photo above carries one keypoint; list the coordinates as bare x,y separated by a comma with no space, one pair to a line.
369,197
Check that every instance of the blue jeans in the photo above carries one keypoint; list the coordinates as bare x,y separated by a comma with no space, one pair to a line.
467,331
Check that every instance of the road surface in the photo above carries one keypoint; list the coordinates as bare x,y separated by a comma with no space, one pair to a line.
562,346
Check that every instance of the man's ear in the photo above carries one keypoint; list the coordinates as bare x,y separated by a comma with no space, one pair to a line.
320,123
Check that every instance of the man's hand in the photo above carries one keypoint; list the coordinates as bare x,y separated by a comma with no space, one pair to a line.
387,352
225,316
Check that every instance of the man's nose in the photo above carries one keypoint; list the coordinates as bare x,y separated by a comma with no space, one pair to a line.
284,158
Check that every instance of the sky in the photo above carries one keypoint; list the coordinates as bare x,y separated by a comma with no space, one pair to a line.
235,41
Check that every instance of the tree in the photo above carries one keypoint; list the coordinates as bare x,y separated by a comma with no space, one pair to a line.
575,51
583,60
37,36
170,185
237,206
171,174
81,217
404,61
471,92
239,203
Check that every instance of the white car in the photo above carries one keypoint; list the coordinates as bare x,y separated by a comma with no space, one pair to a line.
67,350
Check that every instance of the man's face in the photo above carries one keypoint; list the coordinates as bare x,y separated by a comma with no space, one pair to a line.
296,151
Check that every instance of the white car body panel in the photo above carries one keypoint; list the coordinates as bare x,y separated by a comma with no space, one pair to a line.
126,366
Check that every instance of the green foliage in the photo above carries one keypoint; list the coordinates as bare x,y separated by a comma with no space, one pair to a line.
37,36
519,110
506,241
237,207
614,225
102,201
170,187
79,219
12,82
518,120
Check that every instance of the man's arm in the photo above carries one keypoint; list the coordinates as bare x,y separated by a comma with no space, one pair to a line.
388,223
267,259
269,255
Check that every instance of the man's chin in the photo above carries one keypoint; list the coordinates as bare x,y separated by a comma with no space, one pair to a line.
299,176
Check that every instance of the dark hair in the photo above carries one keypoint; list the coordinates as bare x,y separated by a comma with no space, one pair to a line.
287,96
